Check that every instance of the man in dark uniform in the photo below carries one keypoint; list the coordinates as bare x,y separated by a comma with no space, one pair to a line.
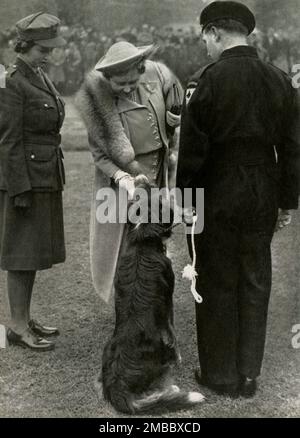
239,141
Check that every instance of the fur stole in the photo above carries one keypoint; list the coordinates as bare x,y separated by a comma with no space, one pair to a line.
96,103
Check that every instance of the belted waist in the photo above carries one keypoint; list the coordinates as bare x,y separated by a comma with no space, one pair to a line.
246,151
42,139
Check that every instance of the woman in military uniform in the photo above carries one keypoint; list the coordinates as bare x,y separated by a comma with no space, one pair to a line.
126,105
31,176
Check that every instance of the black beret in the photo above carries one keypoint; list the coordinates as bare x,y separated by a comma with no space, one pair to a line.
226,9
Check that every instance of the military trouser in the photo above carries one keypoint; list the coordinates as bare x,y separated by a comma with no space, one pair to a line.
234,270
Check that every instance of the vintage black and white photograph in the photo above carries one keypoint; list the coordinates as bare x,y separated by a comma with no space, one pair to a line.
149,222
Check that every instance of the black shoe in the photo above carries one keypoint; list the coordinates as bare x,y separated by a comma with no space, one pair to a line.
35,342
247,387
42,330
230,389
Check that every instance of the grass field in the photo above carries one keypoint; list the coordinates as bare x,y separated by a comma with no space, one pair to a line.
60,383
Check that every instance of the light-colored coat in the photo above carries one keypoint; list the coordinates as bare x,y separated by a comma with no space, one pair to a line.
112,150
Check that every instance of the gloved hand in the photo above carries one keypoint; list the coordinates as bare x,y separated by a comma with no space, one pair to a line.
23,201
126,182
173,120
284,219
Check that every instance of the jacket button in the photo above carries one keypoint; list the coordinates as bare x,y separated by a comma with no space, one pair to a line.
46,105
32,156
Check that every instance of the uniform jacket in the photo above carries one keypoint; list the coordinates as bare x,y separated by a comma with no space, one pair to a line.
110,145
31,115
240,100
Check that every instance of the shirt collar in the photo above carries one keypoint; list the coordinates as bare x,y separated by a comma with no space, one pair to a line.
239,51
20,56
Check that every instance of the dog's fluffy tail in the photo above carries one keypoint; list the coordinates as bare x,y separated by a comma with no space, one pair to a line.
171,399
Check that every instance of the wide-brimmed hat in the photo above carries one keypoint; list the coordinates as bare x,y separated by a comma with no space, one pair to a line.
219,10
41,28
122,55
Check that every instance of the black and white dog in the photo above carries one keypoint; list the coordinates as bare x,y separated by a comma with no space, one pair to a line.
138,359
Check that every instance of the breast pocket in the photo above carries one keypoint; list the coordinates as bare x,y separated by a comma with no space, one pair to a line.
42,166
41,115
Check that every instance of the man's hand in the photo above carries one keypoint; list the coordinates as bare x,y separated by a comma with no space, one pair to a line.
187,215
173,120
23,201
284,219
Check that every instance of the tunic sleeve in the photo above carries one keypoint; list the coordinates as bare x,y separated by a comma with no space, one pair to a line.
194,141
12,154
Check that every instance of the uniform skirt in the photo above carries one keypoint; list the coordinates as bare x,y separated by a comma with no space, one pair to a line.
32,240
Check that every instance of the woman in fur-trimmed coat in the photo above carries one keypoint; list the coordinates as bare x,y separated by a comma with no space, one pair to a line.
125,104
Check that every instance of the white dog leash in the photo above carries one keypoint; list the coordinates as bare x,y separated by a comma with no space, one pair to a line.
189,272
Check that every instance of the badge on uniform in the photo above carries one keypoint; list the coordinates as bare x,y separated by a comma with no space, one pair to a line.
189,93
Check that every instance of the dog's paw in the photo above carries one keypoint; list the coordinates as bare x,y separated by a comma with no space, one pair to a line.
196,397
175,388
141,180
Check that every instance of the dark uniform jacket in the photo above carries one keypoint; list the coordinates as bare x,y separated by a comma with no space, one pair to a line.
31,115
238,109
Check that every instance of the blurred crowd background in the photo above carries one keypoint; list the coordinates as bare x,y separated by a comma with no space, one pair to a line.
179,45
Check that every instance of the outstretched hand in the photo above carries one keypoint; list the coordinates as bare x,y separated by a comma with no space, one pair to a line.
284,219
187,215
127,183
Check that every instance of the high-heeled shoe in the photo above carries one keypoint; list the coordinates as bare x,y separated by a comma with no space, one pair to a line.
33,342
42,330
